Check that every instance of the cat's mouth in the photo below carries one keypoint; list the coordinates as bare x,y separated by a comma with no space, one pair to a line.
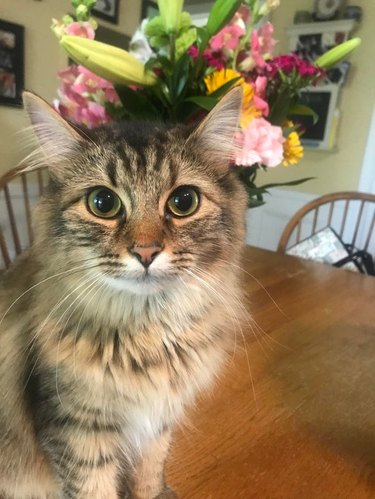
140,284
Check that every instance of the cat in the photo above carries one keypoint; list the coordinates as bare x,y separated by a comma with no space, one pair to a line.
124,307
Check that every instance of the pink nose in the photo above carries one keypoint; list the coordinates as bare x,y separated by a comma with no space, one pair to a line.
146,253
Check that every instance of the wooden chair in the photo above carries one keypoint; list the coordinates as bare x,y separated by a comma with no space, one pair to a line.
19,191
350,214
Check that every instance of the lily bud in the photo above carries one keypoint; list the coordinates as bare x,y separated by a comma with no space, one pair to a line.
108,62
170,13
337,54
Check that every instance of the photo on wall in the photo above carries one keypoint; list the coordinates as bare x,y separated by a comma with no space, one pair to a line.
11,63
107,10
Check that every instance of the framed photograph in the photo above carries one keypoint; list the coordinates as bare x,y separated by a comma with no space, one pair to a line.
11,63
149,9
323,100
112,37
107,10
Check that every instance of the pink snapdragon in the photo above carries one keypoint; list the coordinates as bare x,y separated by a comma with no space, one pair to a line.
260,87
262,46
82,96
227,39
242,16
82,29
260,143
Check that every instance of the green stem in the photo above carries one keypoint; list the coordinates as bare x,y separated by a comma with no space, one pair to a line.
172,48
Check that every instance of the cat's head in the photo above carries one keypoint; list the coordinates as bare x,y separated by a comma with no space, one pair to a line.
147,205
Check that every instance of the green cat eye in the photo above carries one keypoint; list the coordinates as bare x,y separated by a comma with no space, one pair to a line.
104,203
183,202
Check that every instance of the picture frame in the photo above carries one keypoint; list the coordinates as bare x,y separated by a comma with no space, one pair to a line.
112,37
323,100
108,10
12,69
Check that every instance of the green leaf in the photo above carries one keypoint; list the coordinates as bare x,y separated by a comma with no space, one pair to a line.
202,39
293,182
205,102
254,203
136,104
221,13
302,110
180,76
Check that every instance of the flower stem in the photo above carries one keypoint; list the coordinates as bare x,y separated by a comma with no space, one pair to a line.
172,47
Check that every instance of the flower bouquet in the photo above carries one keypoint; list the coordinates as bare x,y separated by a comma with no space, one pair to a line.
177,72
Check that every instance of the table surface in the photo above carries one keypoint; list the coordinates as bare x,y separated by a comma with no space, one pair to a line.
293,414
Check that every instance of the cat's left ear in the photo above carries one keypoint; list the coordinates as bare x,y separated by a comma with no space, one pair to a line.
58,140
215,136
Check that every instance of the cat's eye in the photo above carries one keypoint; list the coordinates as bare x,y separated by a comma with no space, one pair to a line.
104,203
183,202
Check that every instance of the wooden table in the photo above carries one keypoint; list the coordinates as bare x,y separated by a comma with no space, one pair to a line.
304,426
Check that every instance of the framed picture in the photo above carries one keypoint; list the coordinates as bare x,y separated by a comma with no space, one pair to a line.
107,10
11,63
112,37
323,100
149,9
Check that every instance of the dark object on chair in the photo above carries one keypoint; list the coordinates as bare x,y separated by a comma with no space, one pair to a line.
18,192
350,214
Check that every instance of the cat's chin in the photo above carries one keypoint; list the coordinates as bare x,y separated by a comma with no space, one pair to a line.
146,285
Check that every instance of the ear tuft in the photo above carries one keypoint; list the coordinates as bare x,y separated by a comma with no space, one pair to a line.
58,140
215,136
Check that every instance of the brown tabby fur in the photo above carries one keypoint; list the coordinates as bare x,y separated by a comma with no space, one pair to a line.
98,359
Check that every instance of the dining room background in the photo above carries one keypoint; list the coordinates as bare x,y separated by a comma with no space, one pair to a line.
347,166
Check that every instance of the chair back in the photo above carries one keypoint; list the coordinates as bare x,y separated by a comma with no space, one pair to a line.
19,191
350,214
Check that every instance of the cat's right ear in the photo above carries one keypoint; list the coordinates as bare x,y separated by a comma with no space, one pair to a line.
58,140
215,135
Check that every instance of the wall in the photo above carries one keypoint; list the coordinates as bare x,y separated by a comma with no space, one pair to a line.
339,170
43,58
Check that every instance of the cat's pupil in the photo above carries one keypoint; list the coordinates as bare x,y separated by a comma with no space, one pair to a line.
104,201
183,200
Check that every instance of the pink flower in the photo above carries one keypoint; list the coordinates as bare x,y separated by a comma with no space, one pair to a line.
228,38
83,95
82,29
260,86
214,59
242,16
262,45
261,143
266,41
292,62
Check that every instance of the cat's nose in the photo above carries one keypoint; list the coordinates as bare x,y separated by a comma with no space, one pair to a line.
146,253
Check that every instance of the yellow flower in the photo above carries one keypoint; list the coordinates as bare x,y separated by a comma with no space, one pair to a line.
293,150
249,111
219,78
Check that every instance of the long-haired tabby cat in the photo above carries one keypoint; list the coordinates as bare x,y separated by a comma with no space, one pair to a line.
123,308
